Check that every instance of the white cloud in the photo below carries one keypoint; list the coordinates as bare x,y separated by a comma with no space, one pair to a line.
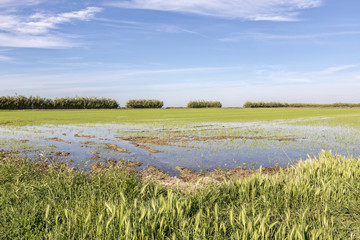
17,3
35,31
257,10
332,70
4,58
41,23
30,41
268,36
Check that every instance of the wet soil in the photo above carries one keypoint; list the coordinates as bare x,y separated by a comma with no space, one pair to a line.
83,136
62,154
58,140
172,140
115,147
145,148
188,179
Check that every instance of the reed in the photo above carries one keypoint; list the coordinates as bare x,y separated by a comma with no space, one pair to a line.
144,103
204,104
23,102
296,105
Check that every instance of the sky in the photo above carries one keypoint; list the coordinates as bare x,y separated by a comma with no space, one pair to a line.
231,51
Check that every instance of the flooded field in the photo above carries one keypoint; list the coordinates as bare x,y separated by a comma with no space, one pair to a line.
196,146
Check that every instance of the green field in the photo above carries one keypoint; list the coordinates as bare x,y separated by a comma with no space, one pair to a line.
35,117
317,198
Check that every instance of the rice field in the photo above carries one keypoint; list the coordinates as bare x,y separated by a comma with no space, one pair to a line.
50,189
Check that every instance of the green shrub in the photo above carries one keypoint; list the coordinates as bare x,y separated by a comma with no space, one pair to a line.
22,102
144,103
204,104
84,103
295,105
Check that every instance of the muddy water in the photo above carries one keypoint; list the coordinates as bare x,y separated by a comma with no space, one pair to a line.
200,147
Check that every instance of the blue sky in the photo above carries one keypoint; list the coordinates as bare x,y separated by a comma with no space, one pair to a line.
180,50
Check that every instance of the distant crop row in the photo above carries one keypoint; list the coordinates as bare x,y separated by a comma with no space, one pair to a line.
22,102
143,103
295,105
204,104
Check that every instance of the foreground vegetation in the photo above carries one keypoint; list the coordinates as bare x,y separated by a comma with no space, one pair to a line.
22,102
318,199
297,105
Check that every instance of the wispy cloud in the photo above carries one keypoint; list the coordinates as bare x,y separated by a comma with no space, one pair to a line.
332,70
255,10
269,36
36,31
17,3
4,58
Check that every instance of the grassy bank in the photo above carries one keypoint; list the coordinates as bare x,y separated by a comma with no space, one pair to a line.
35,117
318,199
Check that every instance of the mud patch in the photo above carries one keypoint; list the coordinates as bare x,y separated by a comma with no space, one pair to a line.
58,140
115,147
190,179
124,163
154,140
62,154
115,164
145,148
83,136
174,140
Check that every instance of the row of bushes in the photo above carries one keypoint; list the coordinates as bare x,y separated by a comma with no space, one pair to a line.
22,102
204,104
295,105
143,103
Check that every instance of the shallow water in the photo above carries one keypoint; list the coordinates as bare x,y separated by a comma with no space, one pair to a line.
200,147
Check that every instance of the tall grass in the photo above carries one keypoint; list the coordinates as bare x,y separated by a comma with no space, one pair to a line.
318,199
295,105
144,103
84,103
22,102
204,104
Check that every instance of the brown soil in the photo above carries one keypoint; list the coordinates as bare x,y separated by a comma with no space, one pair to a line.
58,140
115,147
95,157
168,141
114,164
105,139
190,179
94,152
24,141
145,148
172,140
87,143
131,164
62,154
47,167
83,136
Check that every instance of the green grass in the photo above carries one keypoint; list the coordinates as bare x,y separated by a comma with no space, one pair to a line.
36,117
318,199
